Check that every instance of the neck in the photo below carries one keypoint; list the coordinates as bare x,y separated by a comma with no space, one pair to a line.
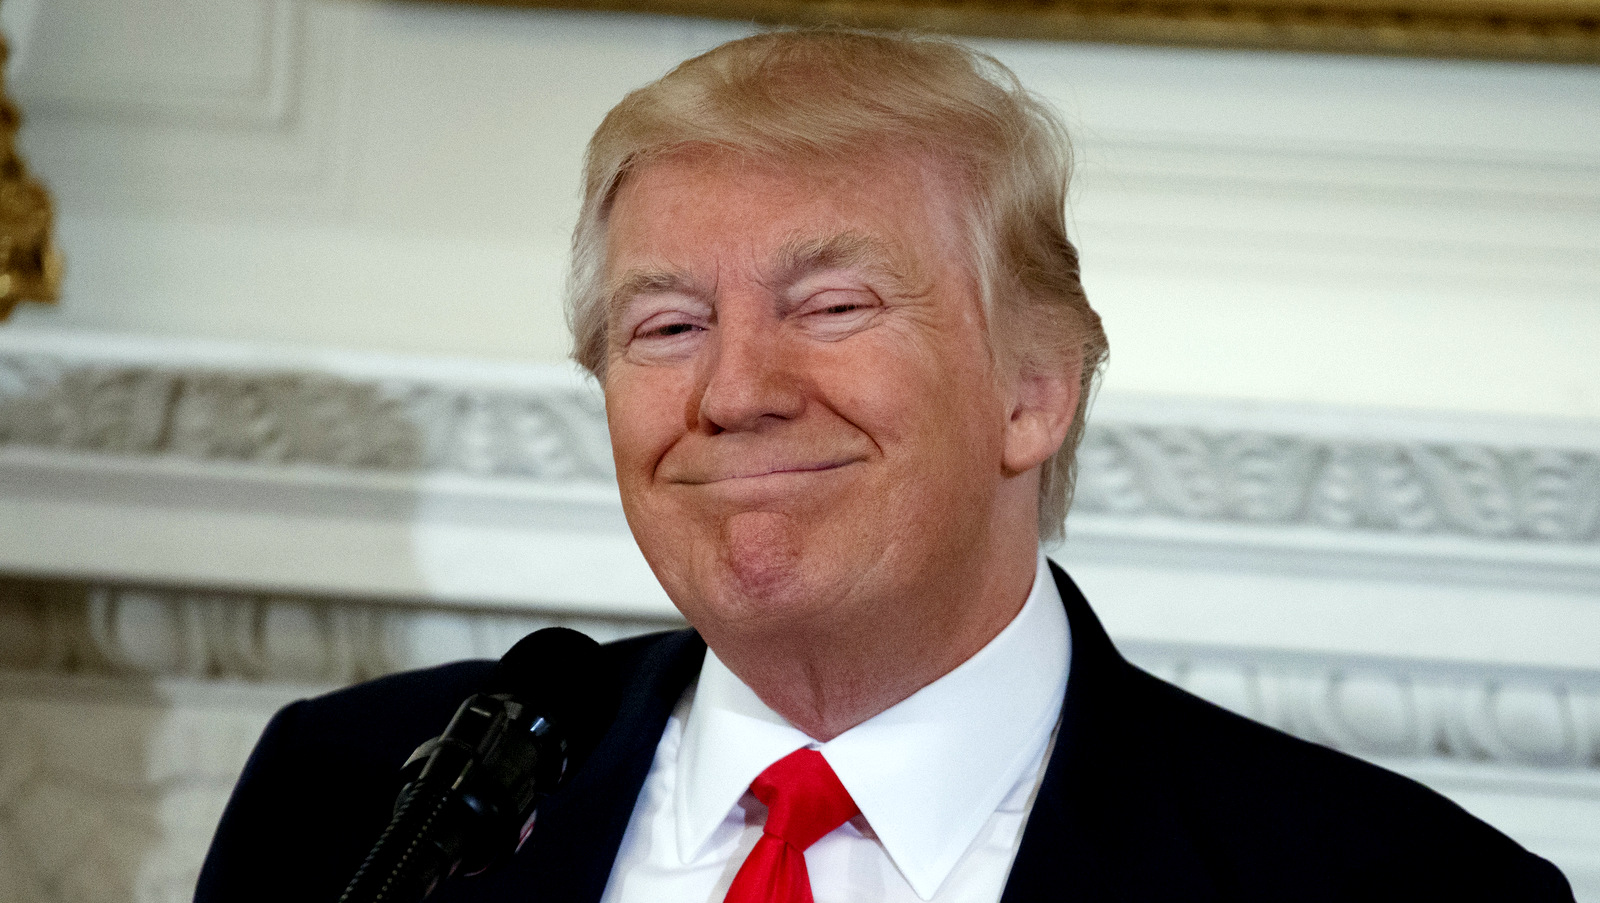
827,678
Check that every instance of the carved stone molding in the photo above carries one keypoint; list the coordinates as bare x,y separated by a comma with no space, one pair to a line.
556,434
1402,710
132,633
263,527
1393,709
286,417
1549,495
112,799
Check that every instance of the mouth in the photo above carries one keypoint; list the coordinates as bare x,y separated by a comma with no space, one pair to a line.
737,475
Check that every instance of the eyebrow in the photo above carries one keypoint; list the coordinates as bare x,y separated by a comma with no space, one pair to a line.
843,250
794,260
634,283
647,282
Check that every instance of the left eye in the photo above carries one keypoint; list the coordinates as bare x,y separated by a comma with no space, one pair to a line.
839,314
839,301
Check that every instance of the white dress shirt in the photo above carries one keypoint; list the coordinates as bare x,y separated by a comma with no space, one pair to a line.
944,779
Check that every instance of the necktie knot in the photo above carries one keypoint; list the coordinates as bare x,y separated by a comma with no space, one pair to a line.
804,801
804,798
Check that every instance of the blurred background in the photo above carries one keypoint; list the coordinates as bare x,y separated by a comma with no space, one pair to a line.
302,414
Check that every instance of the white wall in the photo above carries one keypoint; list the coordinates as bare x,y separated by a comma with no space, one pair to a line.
402,177
1345,474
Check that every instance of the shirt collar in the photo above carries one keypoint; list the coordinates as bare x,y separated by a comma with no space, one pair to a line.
927,772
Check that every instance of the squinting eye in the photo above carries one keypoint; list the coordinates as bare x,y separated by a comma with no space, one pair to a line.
665,327
837,301
836,314
671,329
663,339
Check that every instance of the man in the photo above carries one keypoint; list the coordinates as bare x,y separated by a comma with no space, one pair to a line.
825,282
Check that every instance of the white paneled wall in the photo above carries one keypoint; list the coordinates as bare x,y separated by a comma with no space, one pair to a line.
299,418
402,177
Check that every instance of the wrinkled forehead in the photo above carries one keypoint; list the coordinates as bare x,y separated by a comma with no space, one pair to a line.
887,209
793,259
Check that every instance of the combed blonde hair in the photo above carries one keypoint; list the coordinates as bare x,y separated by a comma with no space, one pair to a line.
823,96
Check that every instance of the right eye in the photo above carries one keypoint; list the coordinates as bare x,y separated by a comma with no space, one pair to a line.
666,330
665,336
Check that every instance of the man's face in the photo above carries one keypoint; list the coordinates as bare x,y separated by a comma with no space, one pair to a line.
807,427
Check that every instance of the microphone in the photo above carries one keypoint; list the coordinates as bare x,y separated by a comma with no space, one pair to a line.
470,793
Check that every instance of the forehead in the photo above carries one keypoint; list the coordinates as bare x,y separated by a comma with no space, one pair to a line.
687,207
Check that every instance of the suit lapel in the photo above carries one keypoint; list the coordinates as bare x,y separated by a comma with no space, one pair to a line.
1104,826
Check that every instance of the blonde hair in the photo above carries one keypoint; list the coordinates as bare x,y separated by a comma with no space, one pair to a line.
821,96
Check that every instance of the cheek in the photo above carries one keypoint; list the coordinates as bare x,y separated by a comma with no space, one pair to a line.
939,396
962,420
644,416
886,383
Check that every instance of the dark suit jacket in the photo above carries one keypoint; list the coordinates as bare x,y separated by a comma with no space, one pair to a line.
1151,794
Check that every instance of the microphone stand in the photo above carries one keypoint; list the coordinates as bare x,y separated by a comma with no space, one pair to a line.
470,792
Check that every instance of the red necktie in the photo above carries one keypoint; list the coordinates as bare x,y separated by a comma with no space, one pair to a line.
804,801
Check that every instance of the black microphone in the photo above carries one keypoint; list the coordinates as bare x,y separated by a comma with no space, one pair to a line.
470,792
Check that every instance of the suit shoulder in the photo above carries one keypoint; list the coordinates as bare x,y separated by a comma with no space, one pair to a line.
321,783
1270,802
400,701
425,698
1231,750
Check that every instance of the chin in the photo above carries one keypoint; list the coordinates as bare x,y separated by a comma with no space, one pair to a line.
758,580
762,554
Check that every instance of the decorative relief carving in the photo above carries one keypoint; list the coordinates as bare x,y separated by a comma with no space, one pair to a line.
114,799
112,792
110,783
1403,710
281,418
1407,712
1549,495
113,795
135,633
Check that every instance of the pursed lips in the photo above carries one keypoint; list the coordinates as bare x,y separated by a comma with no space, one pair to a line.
756,472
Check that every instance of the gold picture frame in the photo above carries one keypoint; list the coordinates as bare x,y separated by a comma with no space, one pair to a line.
1533,30
30,265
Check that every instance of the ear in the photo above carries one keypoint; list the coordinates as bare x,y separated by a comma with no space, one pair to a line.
1042,408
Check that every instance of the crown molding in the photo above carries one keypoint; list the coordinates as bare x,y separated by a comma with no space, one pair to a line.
418,481
1417,484
141,633
1390,708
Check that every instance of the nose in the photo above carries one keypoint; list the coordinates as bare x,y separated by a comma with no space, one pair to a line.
749,377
